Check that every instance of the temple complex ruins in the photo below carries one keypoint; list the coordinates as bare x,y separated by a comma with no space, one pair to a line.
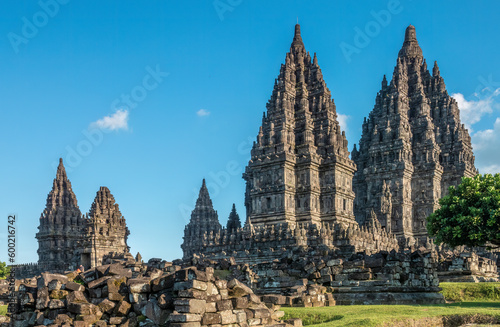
303,191
321,228
67,239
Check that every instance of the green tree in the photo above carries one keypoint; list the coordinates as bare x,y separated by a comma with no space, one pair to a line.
469,214
4,270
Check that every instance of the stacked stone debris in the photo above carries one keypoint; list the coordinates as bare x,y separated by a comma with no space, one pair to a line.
465,265
4,291
322,277
129,293
413,147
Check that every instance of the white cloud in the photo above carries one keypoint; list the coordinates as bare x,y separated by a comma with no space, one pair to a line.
493,169
203,113
343,121
483,139
472,111
116,121
486,146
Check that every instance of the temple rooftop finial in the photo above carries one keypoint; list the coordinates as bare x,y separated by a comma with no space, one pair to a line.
297,38
410,48
61,172
435,69
410,34
204,196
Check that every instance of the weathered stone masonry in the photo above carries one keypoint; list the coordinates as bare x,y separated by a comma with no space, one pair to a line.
299,180
300,169
413,147
67,239
129,293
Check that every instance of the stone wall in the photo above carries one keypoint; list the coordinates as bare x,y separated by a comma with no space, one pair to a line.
256,244
322,277
467,266
32,269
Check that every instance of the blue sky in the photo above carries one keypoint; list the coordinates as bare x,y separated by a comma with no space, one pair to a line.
149,98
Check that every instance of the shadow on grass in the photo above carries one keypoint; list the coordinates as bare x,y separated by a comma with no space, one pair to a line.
474,304
315,318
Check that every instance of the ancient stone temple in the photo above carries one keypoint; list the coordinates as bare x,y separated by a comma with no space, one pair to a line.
412,148
300,169
105,229
61,224
298,180
204,220
233,222
67,239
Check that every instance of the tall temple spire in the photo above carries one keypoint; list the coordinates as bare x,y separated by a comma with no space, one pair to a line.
410,48
203,197
61,219
204,220
414,135
61,193
105,206
234,220
107,225
301,135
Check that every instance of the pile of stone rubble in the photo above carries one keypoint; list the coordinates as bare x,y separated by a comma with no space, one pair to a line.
129,293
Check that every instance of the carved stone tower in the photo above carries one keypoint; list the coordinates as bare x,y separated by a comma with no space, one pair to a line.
300,169
204,221
106,230
234,220
61,224
413,147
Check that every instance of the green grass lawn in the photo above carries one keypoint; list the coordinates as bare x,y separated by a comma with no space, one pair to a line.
469,299
380,315
3,310
469,292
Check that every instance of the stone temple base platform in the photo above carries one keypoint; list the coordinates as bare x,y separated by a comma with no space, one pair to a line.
323,278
